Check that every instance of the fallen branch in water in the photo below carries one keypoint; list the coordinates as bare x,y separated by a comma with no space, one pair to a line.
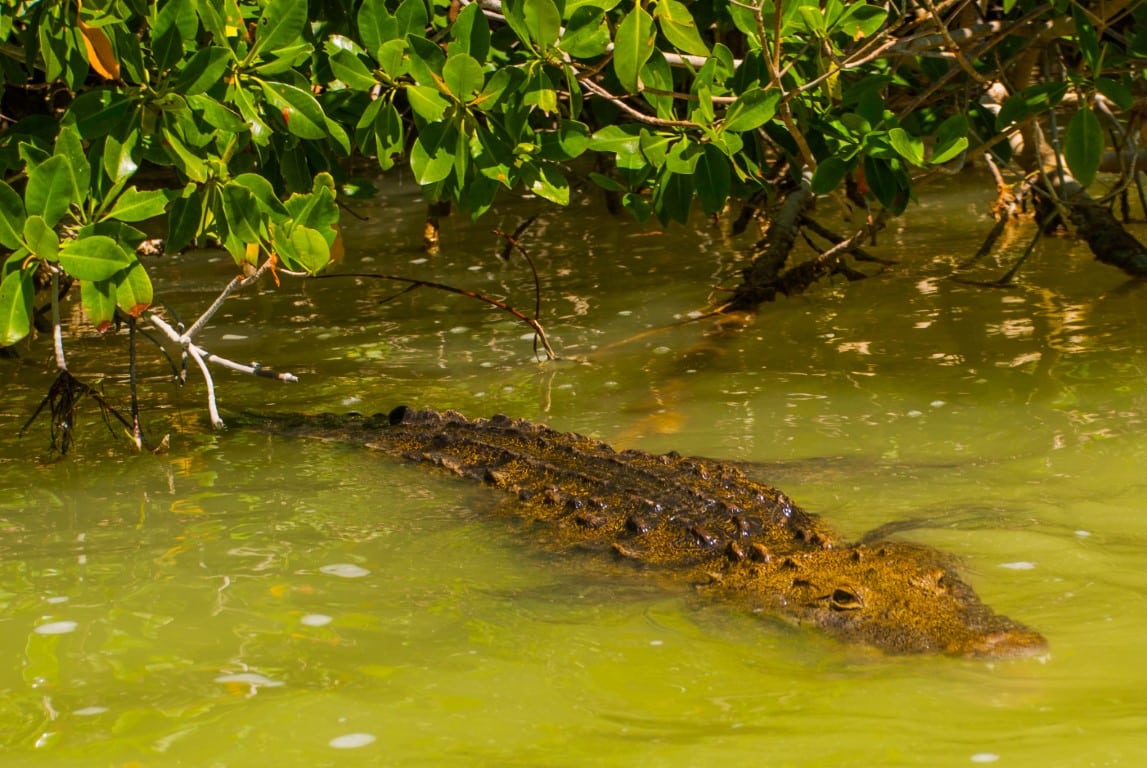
201,357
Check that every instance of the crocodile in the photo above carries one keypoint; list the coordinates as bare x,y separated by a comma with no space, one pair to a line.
694,521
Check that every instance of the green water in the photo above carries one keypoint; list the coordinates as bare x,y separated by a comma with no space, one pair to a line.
208,614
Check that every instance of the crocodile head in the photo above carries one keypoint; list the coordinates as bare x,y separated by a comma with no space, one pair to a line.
896,597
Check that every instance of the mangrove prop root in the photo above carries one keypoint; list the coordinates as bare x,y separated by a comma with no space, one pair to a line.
63,401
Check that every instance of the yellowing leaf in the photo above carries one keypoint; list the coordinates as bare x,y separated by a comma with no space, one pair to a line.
100,53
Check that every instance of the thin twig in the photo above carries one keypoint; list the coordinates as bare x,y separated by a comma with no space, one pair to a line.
534,324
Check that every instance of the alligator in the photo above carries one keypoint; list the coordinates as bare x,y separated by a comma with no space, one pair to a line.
694,521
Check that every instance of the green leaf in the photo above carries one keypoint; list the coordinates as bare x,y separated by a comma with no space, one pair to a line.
263,193
712,179
884,182
134,205
951,139
391,58
426,102
390,135
430,164
311,251
204,69
470,33
316,209
673,197
184,218
99,302
11,217
503,82
550,184
280,23
587,33
348,67
679,28
375,24
242,212
41,239
752,109
301,112
621,140
543,21
1083,145
182,158
633,46
69,144
133,291
861,20
412,18
16,292
463,76
829,173
907,146
119,159
216,115
97,257
51,189
1086,37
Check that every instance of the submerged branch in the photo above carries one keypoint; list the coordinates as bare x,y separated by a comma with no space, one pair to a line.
415,283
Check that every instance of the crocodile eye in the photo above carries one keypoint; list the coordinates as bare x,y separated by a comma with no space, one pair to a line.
844,600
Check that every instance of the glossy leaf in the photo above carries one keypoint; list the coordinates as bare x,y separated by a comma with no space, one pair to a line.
951,139
587,33
183,158
712,179
426,102
242,212
93,258
347,67
752,109
41,239
263,193
281,23
203,70
70,145
118,161
543,21
550,184
184,218
301,112
829,173
133,290
1083,145
907,146
375,24
51,189
679,28
16,292
470,33
463,76
98,298
311,251
11,217
633,45
133,205
412,17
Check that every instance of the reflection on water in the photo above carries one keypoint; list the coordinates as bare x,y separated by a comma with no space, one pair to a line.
249,601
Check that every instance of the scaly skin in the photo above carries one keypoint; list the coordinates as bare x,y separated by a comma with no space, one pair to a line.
698,523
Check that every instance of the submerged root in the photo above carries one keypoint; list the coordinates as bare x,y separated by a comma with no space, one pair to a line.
63,402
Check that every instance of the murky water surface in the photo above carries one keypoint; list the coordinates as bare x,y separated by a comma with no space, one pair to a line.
248,601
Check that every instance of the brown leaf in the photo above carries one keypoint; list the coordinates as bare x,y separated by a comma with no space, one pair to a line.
100,53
